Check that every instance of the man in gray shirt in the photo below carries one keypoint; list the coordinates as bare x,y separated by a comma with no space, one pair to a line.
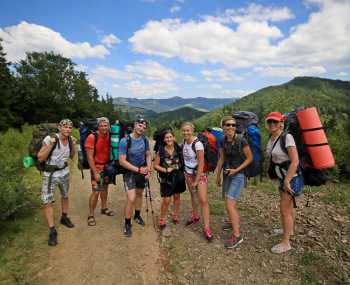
56,151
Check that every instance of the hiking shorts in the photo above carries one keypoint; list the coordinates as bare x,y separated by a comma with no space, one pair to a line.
48,193
190,178
297,184
232,186
96,186
134,180
169,187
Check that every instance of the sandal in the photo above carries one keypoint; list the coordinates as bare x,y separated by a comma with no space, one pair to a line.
107,212
91,221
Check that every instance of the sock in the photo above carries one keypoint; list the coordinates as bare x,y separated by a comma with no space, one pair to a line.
64,215
137,214
127,221
52,229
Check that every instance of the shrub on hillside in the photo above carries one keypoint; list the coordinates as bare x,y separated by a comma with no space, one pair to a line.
15,194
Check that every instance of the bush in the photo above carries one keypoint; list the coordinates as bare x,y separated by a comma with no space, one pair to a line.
16,193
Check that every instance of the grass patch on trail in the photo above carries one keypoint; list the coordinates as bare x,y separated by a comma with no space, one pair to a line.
315,269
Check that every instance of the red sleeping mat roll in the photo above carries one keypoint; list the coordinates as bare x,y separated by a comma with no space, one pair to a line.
315,139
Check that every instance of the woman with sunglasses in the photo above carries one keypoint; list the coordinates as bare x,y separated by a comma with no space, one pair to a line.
284,164
169,164
235,156
196,179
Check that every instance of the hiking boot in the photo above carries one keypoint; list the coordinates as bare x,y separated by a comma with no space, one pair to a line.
127,230
192,220
208,234
162,224
226,226
233,242
67,222
139,220
52,238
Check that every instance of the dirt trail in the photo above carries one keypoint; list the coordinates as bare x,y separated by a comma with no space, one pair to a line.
101,254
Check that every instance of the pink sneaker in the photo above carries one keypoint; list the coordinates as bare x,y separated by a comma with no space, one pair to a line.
192,220
162,224
175,218
208,234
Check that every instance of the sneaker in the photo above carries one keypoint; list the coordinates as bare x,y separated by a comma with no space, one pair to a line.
127,230
162,224
67,222
233,242
139,220
280,248
192,220
208,234
52,238
175,218
226,226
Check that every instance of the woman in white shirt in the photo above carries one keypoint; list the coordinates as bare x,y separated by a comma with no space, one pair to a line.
196,179
284,165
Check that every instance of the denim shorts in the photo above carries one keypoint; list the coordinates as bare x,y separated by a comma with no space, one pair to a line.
297,184
232,186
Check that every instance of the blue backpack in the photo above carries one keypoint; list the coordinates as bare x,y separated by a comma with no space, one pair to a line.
247,126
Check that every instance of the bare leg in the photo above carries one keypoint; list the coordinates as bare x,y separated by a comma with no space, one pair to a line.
233,215
203,201
131,198
93,202
48,212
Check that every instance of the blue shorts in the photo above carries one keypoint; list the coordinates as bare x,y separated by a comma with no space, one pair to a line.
297,184
232,186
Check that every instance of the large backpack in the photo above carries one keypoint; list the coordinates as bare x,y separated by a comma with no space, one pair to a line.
311,175
211,153
39,134
87,127
247,126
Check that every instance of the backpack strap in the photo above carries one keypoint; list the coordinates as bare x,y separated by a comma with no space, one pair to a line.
193,145
70,144
283,138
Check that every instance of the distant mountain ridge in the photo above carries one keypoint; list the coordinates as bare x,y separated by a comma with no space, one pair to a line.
162,105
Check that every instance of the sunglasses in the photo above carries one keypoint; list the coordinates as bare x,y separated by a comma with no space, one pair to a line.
272,122
230,125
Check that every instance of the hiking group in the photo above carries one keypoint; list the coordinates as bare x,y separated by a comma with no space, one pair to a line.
233,152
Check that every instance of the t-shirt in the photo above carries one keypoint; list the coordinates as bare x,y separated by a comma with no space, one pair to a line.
58,157
101,155
278,155
136,154
233,152
190,157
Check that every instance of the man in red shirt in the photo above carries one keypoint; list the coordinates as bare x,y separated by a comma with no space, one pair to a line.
98,157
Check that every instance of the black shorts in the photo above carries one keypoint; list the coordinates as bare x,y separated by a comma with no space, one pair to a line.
174,183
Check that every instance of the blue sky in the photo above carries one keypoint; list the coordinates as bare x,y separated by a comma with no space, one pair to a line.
188,48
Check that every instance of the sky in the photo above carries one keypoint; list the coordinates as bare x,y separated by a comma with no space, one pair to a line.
187,48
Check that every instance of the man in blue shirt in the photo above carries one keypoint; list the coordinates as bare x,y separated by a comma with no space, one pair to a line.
136,157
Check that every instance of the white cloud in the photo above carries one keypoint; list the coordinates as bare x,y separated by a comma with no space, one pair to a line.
140,70
110,40
26,37
81,67
342,73
289,71
254,39
220,75
140,89
253,13
175,9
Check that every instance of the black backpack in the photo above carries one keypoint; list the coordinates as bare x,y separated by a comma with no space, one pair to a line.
312,176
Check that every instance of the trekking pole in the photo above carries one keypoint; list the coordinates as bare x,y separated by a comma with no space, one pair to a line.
150,202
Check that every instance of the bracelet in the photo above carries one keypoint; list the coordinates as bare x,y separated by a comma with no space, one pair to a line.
139,170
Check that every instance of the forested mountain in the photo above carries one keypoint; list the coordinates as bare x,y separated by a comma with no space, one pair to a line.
331,97
176,117
162,105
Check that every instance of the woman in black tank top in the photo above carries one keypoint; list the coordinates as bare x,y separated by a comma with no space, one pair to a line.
169,164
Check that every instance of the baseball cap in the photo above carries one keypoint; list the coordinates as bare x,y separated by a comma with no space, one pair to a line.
276,116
